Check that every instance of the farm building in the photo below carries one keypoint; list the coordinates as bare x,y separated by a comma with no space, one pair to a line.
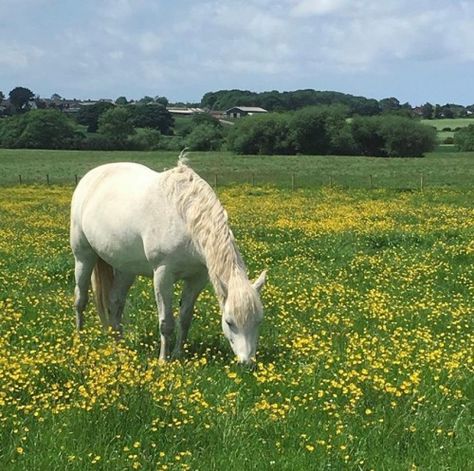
184,111
240,111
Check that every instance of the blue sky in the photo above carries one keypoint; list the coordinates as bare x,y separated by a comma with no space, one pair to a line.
415,50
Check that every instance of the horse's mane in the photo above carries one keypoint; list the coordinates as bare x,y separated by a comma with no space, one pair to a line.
207,222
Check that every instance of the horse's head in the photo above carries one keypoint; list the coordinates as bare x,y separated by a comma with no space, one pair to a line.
242,316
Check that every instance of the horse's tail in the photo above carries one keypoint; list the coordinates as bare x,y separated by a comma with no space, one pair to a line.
102,279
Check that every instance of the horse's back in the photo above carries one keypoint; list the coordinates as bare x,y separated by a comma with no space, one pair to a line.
122,211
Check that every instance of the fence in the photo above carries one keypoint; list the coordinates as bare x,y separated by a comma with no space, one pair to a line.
288,180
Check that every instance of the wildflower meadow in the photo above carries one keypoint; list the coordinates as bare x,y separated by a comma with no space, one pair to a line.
365,358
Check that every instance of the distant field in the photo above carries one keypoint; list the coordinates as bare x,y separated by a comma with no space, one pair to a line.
442,168
454,123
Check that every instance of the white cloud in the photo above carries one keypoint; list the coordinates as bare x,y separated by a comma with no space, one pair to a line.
18,57
141,44
319,7
150,43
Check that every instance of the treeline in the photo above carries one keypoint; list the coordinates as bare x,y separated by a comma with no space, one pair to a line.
101,126
356,105
289,101
325,130
147,125
319,130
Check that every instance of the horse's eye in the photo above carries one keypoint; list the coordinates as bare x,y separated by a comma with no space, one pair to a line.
230,324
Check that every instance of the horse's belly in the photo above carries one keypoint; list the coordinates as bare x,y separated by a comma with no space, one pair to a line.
124,255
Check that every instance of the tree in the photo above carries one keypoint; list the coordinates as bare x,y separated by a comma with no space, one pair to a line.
20,98
153,116
162,100
121,100
38,129
146,99
89,114
427,111
116,124
388,105
2,96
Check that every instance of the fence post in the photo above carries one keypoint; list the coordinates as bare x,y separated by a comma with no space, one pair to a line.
253,179
19,179
421,182
75,179
215,181
331,181
292,182
371,181
47,178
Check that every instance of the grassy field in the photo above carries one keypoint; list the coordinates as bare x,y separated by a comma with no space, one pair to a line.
442,168
365,359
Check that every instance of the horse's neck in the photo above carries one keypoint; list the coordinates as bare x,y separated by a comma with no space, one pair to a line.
223,263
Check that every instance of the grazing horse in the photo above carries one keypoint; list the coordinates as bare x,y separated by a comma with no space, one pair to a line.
128,220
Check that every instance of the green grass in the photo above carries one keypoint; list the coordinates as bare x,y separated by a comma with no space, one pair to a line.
365,352
442,168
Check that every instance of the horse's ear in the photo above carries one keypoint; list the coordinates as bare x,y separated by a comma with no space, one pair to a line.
260,281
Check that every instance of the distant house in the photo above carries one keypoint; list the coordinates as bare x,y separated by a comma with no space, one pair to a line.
240,111
184,111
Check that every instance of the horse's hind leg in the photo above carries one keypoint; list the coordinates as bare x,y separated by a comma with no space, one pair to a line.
118,295
85,263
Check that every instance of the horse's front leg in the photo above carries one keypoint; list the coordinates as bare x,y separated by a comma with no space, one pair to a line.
163,284
192,288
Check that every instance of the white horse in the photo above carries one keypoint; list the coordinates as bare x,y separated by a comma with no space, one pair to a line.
128,220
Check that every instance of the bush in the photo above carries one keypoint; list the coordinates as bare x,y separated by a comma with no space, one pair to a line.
342,141
261,134
393,136
89,114
448,129
174,143
449,140
145,139
405,137
205,137
367,135
464,138
117,125
98,142
315,130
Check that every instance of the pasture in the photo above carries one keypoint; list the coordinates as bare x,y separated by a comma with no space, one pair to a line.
365,357
441,168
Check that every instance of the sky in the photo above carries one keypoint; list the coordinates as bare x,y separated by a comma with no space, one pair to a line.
415,50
